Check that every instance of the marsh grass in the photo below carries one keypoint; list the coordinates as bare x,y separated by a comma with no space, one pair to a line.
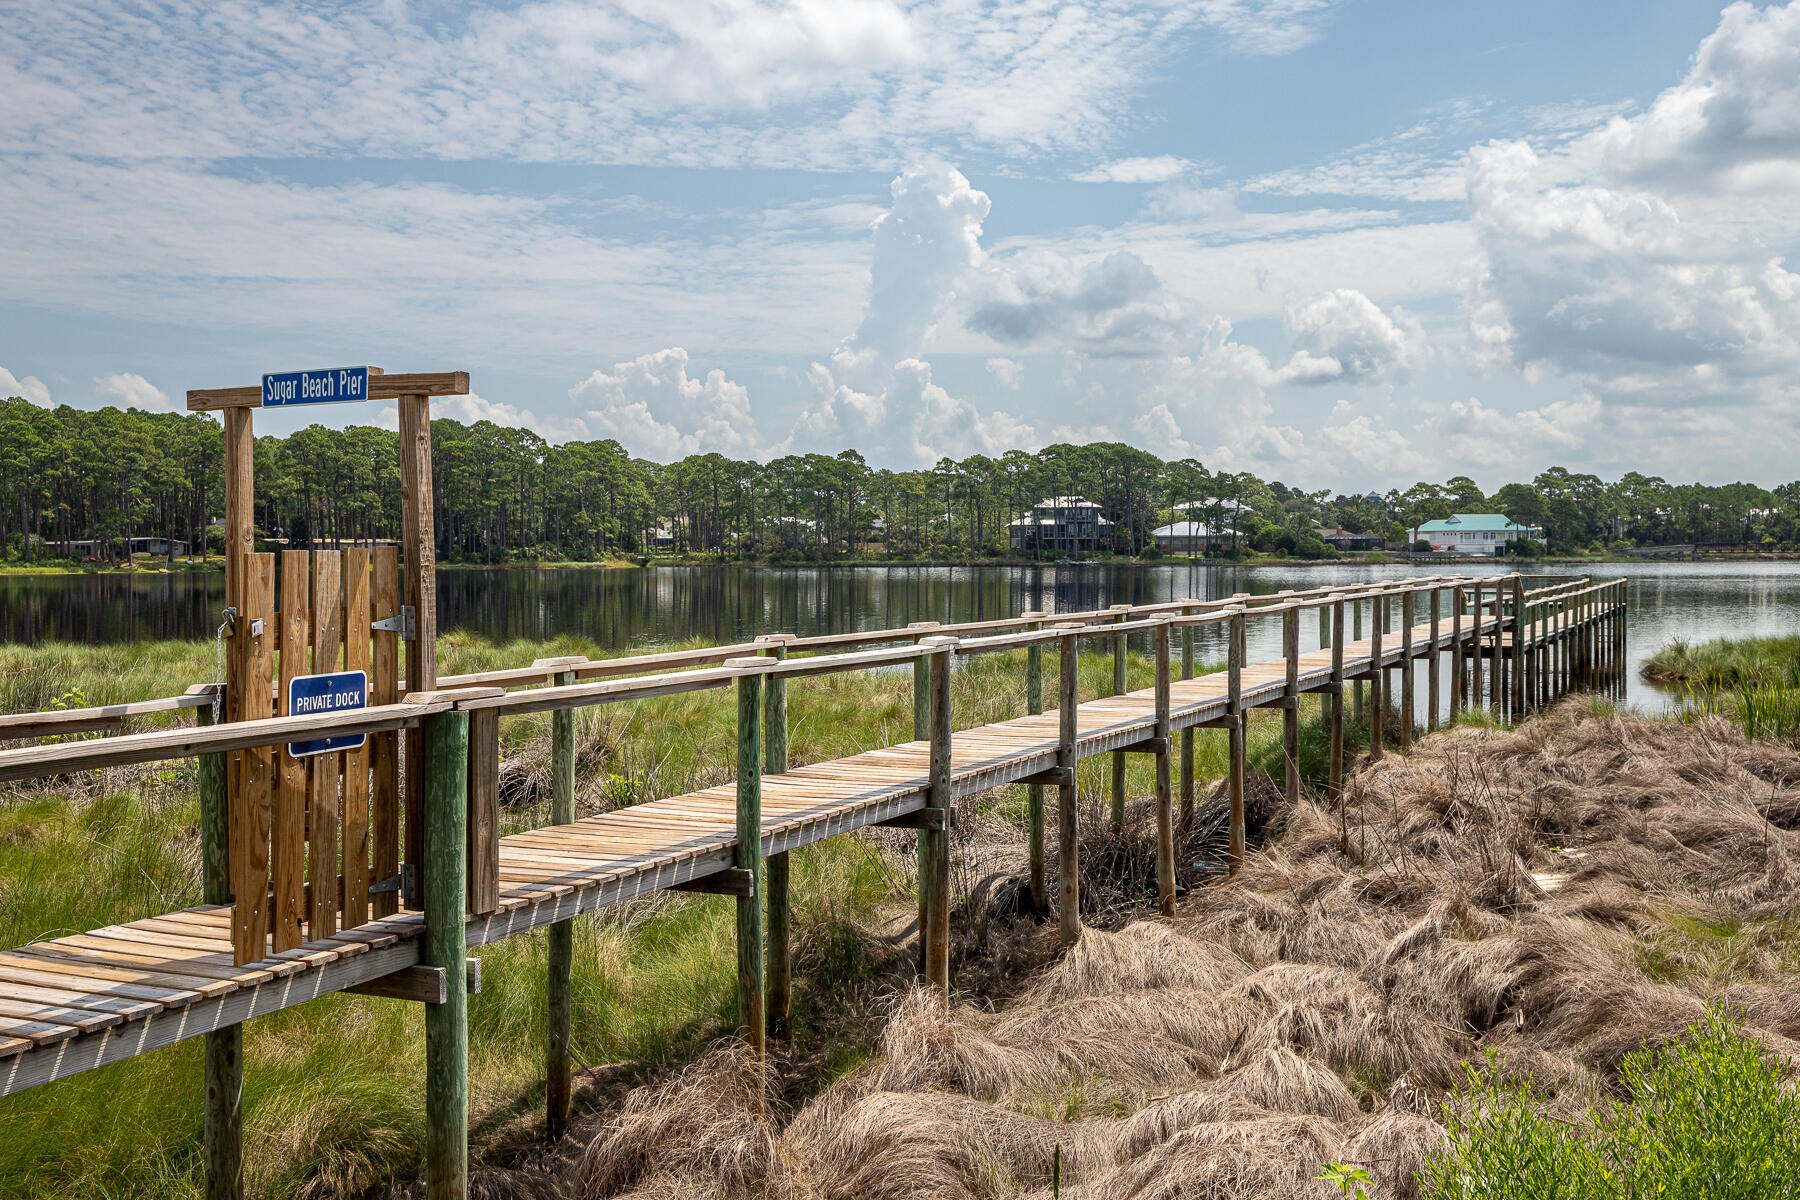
1752,682
332,1088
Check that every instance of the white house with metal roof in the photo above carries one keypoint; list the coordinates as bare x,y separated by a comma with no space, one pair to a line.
1475,533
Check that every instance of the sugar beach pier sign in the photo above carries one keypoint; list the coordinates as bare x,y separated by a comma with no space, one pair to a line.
334,385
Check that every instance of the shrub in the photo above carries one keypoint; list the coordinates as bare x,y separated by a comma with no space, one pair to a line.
1704,1118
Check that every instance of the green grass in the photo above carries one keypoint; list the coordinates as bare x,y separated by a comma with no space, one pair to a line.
1753,682
1707,1116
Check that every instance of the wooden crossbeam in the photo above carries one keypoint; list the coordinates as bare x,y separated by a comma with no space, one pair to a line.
381,387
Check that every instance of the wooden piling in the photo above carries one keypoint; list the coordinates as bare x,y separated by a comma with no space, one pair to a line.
1475,635
1290,707
1238,718
1337,698
1068,866
1327,701
1165,808
1187,734
937,945
442,841
1406,670
1118,757
779,954
1034,793
1433,683
223,1131
1377,676
1356,632
559,1008
753,1021
1456,651
1516,666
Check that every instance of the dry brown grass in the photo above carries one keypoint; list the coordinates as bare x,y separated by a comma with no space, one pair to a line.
1559,895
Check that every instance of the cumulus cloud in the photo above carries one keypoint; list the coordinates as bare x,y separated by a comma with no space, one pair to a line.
29,387
1473,432
1342,334
128,389
1115,305
653,407
1158,169
1006,371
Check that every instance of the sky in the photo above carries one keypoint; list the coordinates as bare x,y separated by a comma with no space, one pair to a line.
1338,243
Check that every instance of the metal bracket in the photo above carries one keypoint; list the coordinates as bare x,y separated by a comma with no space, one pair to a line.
405,624
390,884
938,819
256,627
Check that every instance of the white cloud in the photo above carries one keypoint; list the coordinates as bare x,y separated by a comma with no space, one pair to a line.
1006,371
128,389
472,408
1113,305
654,408
1474,433
1267,26
1342,334
28,387
1158,169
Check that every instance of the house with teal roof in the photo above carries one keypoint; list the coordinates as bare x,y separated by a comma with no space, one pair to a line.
1475,533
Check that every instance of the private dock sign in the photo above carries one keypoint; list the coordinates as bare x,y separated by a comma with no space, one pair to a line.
334,385
316,695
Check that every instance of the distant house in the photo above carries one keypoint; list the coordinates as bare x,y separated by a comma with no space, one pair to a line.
155,547
661,538
1189,537
1475,533
1061,524
1343,539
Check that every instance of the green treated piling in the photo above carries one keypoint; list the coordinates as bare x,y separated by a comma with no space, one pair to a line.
559,1068
224,1048
780,955
752,1013
446,741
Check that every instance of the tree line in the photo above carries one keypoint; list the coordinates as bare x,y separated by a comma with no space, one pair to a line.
69,475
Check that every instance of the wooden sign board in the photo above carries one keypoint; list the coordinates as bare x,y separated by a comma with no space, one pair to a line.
333,385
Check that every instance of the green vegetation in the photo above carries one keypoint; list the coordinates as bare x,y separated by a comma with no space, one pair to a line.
1754,682
1708,1116
507,495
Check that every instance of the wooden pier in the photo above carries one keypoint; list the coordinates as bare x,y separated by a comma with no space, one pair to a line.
73,1003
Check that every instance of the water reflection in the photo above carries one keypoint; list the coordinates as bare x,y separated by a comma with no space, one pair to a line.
625,607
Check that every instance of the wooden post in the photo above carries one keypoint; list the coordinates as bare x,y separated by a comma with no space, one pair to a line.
223,1134
419,540
1326,699
937,841
482,880
446,810
1068,866
559,1088
1290,707
1118,689
1187,734
1433,684
1518,647
1475,647
753,1020
1406,670
287,863
922,732
250,669
1234,712
322,786
780,954
1377,675
1496,660
1034,793
1456,651
1165,808
1337,698
1356,632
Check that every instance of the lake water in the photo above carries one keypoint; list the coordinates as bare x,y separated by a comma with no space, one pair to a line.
628,607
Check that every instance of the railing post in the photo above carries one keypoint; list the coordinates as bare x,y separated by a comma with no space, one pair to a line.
559,1092
223,1132
1496,661
444,841
937,841
1290,707
1406,670
1518,647
1187,734
779,954
1327,701
1165,809
1118,689
1234,710
1034,793
1475,646
1337,698
1356,632
1068,865
1456,651
1377,674
921,683
1434,693
753,1021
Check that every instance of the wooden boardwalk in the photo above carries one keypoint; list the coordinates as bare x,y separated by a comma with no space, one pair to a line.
72,1003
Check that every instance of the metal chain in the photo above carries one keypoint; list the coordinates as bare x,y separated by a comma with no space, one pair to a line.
218,696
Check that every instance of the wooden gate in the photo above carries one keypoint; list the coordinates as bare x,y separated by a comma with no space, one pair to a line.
315,840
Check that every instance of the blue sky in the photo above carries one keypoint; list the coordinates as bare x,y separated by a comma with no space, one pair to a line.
1340,243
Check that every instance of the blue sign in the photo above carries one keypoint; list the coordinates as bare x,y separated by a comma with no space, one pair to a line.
331,386
315,695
